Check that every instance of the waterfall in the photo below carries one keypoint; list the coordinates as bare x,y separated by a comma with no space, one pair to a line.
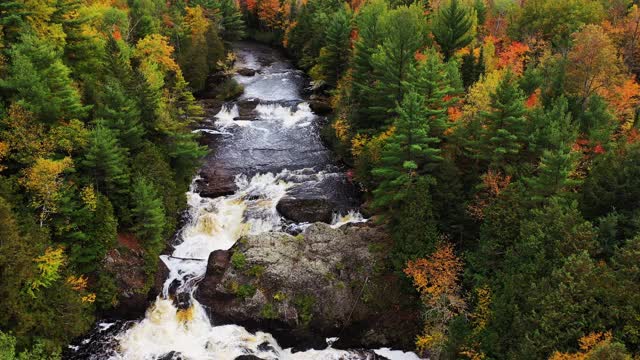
169,331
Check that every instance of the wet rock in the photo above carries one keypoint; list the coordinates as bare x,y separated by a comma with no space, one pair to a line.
218,262
320,107
317,201
218,182
173,355
306,209
318,284
246,72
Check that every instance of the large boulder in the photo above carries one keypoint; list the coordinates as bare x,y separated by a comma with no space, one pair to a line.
306,209
324,282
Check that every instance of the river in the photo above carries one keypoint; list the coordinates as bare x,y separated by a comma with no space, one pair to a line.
265,146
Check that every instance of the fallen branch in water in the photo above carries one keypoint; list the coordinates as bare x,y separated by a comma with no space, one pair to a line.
181,258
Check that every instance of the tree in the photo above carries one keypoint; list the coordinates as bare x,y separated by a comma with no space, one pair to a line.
593,64
147,216
555,20
403,32
596,345
194,59
370,34
233,27
406,155
334,57
107,164
454,26
432,79
44,181
554,136
121,114
436,279
504,126
41,82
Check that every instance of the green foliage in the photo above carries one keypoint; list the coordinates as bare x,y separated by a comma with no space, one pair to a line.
238,260
41,82
148,220
407,154
245,291
454,27
334,56
304,304
107,162
556,20
403,34
504,130
269,312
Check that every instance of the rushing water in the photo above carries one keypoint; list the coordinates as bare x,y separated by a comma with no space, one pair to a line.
271,155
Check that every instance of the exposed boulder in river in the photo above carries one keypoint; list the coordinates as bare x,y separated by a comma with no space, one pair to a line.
324,282
320,106
246,72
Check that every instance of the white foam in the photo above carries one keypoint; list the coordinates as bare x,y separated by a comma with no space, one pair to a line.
286,114
353,216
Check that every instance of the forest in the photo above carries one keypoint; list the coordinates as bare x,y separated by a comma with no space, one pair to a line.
498,142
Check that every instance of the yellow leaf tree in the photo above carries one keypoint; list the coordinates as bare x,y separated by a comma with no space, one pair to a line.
44,181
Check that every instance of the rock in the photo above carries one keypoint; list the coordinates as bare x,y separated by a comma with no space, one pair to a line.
246,72
218,262
127,266
305,209
318,201
319,284
320,107
218,182
248,357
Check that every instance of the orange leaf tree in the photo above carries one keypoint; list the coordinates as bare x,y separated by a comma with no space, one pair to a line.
436,279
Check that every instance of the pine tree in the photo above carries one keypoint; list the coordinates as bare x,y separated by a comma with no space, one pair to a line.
404,33
370,34
504,126
453,27
233,28
120,113
106,161
406,155
334,57
148,219
41,82
432,79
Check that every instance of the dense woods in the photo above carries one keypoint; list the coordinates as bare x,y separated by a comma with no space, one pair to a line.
96,99
498,141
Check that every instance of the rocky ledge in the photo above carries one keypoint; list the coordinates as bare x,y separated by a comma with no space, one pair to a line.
322,283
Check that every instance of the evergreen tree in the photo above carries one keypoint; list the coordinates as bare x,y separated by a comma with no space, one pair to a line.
120,113
504,127
370,34
233,27
554,134
407,154
413,225
107,164
432,79
147,216
403,34
41,82
334,57
454,27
